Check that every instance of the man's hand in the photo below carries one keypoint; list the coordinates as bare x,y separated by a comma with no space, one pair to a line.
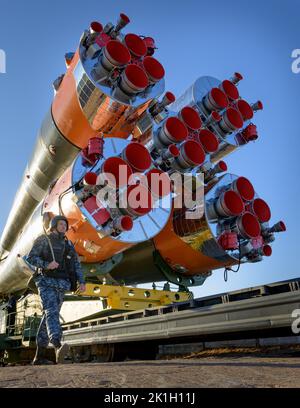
52,265
81,287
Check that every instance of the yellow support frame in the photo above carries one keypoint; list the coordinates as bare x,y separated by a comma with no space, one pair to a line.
128,298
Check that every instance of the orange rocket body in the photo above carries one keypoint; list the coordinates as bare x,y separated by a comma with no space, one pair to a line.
110,114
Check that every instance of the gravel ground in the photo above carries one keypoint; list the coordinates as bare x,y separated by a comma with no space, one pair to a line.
224,372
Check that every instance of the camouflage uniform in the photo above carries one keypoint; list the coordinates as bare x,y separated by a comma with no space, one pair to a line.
51,291
52,285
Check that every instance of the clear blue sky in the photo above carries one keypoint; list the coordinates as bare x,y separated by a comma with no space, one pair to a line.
194,38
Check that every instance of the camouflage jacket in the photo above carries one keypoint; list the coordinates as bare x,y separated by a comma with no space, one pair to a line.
41,248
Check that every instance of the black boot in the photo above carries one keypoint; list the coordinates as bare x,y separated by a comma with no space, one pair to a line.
60,352
40,357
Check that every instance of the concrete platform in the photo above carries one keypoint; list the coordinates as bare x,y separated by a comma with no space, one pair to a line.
222,372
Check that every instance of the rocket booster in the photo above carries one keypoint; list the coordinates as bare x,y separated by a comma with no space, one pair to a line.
117,160
92,98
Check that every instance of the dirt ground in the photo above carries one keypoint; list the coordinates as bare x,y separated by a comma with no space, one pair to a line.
237,371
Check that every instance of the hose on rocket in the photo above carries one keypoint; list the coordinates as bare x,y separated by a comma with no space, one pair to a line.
227,269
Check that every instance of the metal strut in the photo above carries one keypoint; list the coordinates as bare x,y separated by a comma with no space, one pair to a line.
128,298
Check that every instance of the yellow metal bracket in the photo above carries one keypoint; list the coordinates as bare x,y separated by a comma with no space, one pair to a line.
128,298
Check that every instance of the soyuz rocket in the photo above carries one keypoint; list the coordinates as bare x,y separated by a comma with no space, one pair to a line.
110,112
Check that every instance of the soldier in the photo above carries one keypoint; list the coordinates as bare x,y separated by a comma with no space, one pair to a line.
57,259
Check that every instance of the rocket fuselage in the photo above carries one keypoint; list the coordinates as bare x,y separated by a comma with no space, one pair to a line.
81,110
106,116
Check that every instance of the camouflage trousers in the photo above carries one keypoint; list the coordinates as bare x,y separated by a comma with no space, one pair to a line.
51,291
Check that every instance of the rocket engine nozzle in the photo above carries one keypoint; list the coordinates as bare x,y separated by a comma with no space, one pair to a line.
244,108
90,179
248,250
257,106
168,98
278,227
123,223
171,152
229,89
191,118
266,250
115,172
96,28
172,131
208,140
231,121
136,45
93,49
133,80
137,156
150,44
214,117
191,155
115,55
154,69
236,78
220,167
215,100
248,225
158,107
122,22
228,204
260,208
244,188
